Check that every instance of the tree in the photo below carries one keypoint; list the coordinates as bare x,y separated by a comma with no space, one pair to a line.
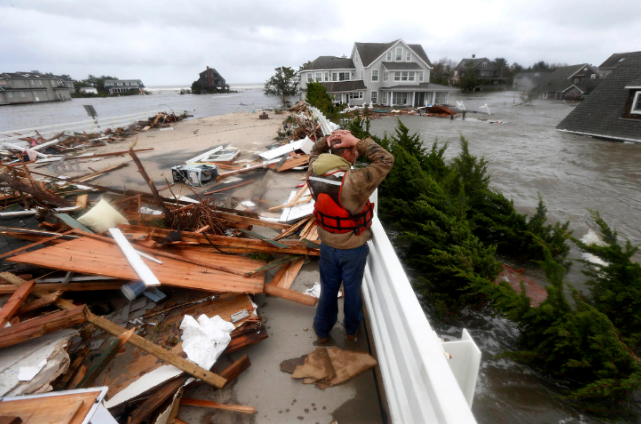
469,81
282,84
443,71
502,65
541,66
516,68
196,87
317,96
94,81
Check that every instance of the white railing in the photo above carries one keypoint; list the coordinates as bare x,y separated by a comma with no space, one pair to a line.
90,125
425,380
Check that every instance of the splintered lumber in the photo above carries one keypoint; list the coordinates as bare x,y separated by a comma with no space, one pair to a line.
46,240
246,169
263,238
292,229
230,187
47,196
246,335
101,155
74,366
292,295
77,377
96,174
155,400
90,256
105,358
39,303
14,302
234,370
68,408
290,204
152,186
36,327
272,264
134,259
69,287
287,274
249,220
225,243
216,405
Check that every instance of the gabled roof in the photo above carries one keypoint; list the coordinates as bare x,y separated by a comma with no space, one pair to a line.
600,114
329,62
369,52
339,86
618,58
210,69
559,79
634,83
401,65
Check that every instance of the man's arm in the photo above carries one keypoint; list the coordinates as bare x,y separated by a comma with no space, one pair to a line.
363,181
319,148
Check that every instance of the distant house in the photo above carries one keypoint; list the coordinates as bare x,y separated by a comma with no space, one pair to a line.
88,90
613,61
526,81
389,74
124,86
33,87
211,80
487,72
569,82
613,110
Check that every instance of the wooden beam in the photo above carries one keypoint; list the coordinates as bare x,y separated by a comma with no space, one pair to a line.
16,184
234,370
142,343
230,187
249,220
273,264
14,302
287,274
292,295
290,204
69,287
216,405
292,229
40,326
152,187
39,303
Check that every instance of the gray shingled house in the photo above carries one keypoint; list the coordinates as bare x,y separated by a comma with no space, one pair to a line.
487,72
33,87
569,82
613,61
211,80
613,110
390,74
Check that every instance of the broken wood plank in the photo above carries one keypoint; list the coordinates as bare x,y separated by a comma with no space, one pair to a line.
102,155
235,369
263,238
140,342
230,187
292,295
249,220
46,240
216,405
74,366
77,377
154,401
290,204
292,229
39,303
36,327
273,264
69,287
14,302
105,358
47,196
146,276
152,187
287,274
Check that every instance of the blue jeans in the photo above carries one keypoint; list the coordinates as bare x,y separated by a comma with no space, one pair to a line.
336,266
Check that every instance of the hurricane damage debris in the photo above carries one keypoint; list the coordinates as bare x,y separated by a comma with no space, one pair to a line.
140,293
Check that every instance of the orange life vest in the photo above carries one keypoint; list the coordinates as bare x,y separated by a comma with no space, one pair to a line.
328,210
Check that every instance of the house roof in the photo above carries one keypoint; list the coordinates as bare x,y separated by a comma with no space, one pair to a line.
369,52
617,58
476,62
600,113
558,80
122,80
396,66
634,83
30,75
340,86
329,62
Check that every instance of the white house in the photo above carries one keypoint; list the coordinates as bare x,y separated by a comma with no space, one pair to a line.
389,74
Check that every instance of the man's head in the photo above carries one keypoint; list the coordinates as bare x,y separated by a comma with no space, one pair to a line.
348,153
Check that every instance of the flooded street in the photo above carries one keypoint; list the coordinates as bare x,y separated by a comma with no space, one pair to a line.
527,155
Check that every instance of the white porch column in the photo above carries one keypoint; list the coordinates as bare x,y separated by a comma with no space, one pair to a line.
413,97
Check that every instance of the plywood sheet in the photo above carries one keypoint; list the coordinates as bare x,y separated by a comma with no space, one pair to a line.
89,256
72,408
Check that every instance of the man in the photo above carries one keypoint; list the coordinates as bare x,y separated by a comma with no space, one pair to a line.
343,215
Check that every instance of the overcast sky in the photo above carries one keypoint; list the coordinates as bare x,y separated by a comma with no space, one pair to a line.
170,42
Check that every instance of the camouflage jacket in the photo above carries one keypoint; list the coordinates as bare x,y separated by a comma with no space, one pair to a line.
358,186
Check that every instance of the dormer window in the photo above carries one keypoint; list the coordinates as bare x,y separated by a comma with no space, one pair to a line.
399,54
484,64
389,56
636,103
408,56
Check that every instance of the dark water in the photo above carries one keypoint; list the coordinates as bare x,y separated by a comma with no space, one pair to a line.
573,173
247,99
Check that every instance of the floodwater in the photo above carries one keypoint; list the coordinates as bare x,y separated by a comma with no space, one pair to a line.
526,156
573,173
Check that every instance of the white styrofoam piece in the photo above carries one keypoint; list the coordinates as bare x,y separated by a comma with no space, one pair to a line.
307,145
146,382
204,155
143,271
205,339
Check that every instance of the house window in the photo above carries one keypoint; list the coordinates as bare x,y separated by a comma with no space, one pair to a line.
385,76
334,76
319,76
636,103
558,95
309,77
420,76
22,94
484,64
408,57
326,76
344,76
374,75
356,95
399,54
400,98
388,57
40,83
361,74
411,76
9,95
374,97
397,76
404,76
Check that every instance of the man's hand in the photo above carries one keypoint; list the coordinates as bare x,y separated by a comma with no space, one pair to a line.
346,139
